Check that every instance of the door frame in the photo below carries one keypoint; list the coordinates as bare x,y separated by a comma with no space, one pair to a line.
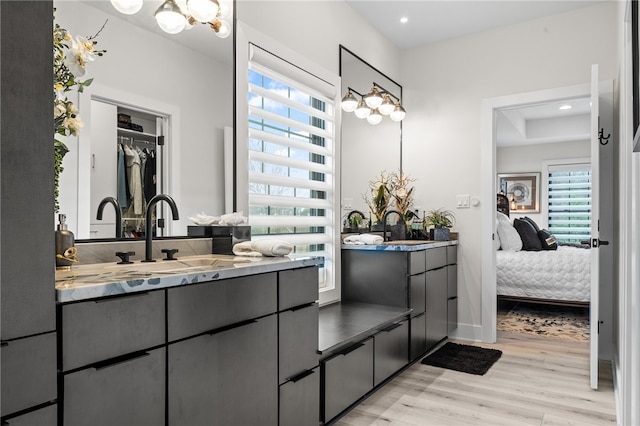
490,106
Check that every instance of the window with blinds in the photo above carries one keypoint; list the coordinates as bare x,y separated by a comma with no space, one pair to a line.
569,198
291,160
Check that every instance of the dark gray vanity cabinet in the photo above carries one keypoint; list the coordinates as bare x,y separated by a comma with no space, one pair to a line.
436,311
347,376
391,348
227,377
452,288
113,360
299,375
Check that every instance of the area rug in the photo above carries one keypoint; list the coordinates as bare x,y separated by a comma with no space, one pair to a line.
465,358
559,322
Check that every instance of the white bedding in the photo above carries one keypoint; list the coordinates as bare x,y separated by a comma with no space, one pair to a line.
561,274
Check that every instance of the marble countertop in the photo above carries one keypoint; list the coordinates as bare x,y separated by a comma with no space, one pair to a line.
401,245
107,279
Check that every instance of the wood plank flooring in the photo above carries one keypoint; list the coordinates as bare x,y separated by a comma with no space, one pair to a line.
537,381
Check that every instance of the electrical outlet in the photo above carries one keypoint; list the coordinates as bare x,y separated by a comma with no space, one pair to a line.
462,201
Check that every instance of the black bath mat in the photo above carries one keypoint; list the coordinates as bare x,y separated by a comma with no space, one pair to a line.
465,358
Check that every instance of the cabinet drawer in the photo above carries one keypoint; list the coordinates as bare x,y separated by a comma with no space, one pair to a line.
204,307
417,262
452,281
300,400
452,255
418,336
391,351
452,314
347,377
297,341
436,258
28,372
129,392
417,293
43,417
297,287
105,328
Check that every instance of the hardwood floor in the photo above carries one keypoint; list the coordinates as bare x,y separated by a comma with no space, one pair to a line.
537,381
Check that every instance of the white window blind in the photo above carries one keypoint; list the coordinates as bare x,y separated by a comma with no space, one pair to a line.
569,198
291,154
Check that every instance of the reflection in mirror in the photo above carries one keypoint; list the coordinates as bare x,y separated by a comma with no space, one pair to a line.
153,84
366,149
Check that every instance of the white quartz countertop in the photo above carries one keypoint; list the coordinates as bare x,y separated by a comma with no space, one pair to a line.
108,279
401,245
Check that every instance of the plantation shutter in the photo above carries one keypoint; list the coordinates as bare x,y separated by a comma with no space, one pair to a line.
569,196
291,152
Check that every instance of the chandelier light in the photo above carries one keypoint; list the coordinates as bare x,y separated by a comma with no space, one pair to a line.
174,16
378,96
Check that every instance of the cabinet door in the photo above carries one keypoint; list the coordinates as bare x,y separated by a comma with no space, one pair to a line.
227,378
418,336
119,392
417,293
391,351
452,281
436,258
436,309
297,341
98,330
347,377
47,416
28,372
300,400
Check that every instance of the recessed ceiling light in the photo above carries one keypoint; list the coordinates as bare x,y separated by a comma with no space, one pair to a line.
404,20
563,107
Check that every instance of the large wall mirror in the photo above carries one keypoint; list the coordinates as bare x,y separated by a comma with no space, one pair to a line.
366,149
179,86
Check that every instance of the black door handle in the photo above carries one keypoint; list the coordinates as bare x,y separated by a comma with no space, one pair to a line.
604,243
595,243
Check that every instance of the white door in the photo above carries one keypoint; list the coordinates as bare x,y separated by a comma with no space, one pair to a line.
595,218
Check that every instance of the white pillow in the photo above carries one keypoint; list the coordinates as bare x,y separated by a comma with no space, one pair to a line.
509,237
496,240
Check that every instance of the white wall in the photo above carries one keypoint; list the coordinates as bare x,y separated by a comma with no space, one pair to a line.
445,84
157,68
530,158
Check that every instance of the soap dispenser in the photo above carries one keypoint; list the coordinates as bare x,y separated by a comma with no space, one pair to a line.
66,253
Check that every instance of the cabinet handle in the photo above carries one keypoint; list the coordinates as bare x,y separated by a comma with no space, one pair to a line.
351,348
117,297
298,308
231,327
392,327
119,360
4,344
301,376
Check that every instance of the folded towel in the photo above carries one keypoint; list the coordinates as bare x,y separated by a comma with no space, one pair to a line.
362,239
265,247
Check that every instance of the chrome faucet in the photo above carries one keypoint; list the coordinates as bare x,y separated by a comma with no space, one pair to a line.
148,233
116,206
384,223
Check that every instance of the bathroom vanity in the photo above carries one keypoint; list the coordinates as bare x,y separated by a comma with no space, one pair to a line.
192,341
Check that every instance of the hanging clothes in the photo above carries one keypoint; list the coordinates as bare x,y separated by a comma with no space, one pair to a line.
135,182
123,198
150,175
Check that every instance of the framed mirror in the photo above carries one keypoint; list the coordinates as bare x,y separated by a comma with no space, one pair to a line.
175,86
367,150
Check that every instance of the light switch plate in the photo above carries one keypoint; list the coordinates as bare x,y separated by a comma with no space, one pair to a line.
462,201
347,203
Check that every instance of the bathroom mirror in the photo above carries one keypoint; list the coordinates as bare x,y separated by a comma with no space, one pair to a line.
366,149
176,85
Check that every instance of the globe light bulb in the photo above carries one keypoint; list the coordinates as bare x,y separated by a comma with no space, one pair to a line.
362,110
387,106
349,102
203,10
375,117
128,7
170,18
398,113
373,98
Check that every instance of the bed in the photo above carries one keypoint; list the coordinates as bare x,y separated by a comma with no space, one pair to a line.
559,276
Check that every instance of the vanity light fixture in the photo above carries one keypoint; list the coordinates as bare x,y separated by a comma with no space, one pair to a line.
173,16
128,7
349,102
362,108
373,98
375,117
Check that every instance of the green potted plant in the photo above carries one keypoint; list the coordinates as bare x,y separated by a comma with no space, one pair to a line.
379,198
441,220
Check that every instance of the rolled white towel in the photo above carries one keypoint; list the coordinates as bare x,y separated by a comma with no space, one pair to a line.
266,247
361,239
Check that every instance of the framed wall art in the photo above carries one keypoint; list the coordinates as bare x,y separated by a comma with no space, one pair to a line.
523,188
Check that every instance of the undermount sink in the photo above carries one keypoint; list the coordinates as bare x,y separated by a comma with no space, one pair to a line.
175,266
195,263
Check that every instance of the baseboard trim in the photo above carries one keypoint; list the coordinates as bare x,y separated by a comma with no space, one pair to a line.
467,332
